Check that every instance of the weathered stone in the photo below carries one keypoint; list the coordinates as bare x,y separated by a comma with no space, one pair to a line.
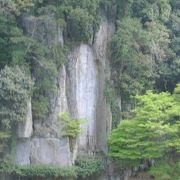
22,151
45,29
62,99
25,128
80,92
50,151
83,88
103,116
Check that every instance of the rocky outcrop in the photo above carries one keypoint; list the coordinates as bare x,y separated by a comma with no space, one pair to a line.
80,92
103,115
50,151
46,146
22,156
25,128
82,72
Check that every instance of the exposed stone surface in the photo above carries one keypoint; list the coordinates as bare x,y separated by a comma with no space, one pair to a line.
25,128
45,29
22,151
80,92
103,116
50,151
62,105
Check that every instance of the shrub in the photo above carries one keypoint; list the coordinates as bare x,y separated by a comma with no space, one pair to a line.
165,170
79,25
84,166
89,165
152,133
68,126
40,170
15,91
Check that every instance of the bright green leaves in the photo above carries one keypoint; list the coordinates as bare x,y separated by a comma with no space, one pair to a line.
154,107
152,133
15,92
89,165
164,169
70,127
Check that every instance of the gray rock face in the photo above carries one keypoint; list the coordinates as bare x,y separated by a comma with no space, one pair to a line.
50,151
80,92
43,151
45,29
87,70
47,147
103,115
83,74
25,128
23,151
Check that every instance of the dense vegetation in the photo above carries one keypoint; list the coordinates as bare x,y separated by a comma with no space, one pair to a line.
144,49
144,54
153,132
85,166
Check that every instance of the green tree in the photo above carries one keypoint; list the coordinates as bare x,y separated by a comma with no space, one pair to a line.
82,18
166,170
16,6
129,50
169,71
13,44
15,91
69,127
79,25
152,133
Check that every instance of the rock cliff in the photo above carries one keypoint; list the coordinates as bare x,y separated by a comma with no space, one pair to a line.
80,92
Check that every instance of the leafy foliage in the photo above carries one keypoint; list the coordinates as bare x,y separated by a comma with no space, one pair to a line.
15,91
80,25
3,135
144,49
112,99
45,171
7,165
152,133
81,17
68,126
12,42
133,68
89,165
166,170
170,70
84,167
16,6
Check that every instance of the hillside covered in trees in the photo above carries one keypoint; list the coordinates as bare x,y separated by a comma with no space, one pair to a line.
90,89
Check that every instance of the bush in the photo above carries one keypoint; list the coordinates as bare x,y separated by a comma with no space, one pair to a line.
153,132
165,170
15,91
89,165
85,166
45,171
79,25
69,127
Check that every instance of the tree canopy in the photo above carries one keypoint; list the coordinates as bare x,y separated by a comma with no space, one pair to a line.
152,133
